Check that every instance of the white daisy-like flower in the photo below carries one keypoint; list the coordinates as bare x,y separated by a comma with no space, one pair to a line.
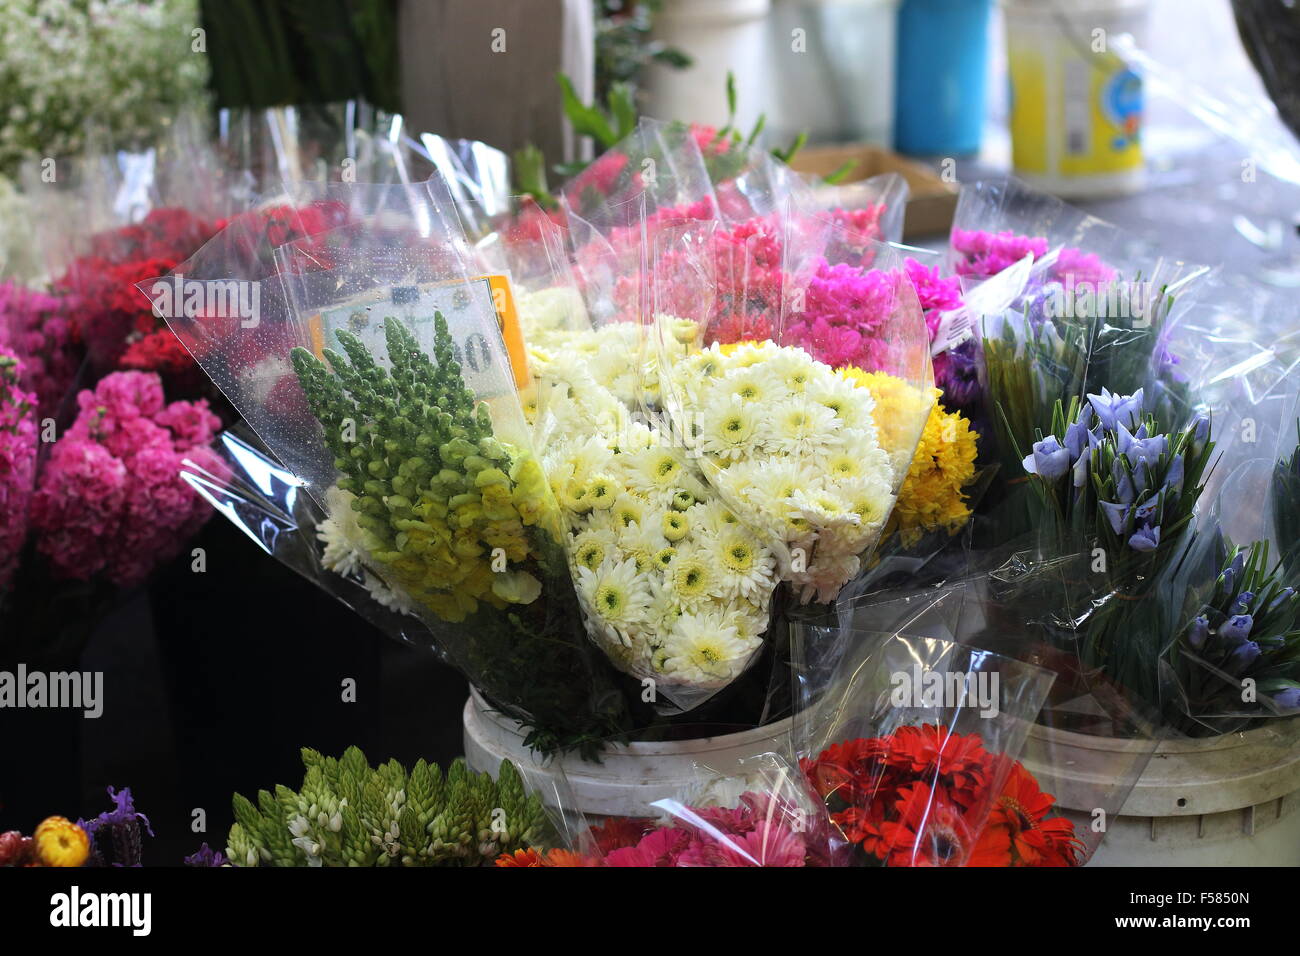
630,509
592,546
693,579
616,594
800,427
746,567
728,429
793,368
655,470
704,648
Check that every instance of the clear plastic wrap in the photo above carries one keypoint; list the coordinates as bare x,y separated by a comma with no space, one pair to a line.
1092,738
913,745
415,445
754,811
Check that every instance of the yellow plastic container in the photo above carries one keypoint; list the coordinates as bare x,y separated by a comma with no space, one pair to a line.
1076,107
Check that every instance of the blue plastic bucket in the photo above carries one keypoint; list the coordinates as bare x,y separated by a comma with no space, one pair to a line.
942,71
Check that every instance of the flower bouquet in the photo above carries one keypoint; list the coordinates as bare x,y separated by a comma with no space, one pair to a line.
911,744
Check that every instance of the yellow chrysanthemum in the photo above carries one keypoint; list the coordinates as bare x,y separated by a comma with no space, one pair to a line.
932,497
899,406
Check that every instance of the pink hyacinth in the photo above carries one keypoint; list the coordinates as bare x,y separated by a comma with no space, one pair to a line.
17,462
38,327
111,499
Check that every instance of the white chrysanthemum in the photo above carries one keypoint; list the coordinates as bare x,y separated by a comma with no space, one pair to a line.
630,509
340,534
728,429
712,516
749,384
793,368
616,594
704,648
852,406
800,427
693,579
592,547
655,470
746,567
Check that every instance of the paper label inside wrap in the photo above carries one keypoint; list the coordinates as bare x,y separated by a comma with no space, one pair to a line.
480,316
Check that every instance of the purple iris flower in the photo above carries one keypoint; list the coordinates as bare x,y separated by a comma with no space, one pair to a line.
1116,514
1049,460
1116,410
1145,539
1245,654
1198,631
1237,627
1124,489
1287,700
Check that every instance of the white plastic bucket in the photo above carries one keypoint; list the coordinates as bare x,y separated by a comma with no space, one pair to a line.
832,64
1222,801
719,36
1225,801
629,777
1076,109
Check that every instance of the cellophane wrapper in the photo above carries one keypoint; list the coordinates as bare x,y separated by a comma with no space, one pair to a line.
749,811
915,745
414,446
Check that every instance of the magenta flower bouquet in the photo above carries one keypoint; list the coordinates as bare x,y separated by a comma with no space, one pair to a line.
17,461
110,500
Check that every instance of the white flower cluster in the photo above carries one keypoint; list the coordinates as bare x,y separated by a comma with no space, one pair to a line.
345,554
125,66
672,585
792,446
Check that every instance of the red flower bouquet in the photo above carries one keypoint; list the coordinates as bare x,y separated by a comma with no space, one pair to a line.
920,797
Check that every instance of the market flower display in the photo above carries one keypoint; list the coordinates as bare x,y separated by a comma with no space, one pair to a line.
110,500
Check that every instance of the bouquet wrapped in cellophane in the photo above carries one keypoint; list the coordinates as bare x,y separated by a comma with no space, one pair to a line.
912,743
676,568
384,375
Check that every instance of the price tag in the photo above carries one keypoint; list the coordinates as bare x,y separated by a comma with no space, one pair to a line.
480,315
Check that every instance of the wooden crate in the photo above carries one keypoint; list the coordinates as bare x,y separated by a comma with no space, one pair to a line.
931,202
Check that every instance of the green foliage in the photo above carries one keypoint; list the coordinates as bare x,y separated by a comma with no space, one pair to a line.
347,813
624,45
277,52
1286,508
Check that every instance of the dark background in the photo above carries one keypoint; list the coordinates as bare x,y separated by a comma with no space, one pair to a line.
212,682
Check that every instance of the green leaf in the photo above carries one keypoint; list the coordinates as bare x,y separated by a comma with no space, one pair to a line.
841,172
586,120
